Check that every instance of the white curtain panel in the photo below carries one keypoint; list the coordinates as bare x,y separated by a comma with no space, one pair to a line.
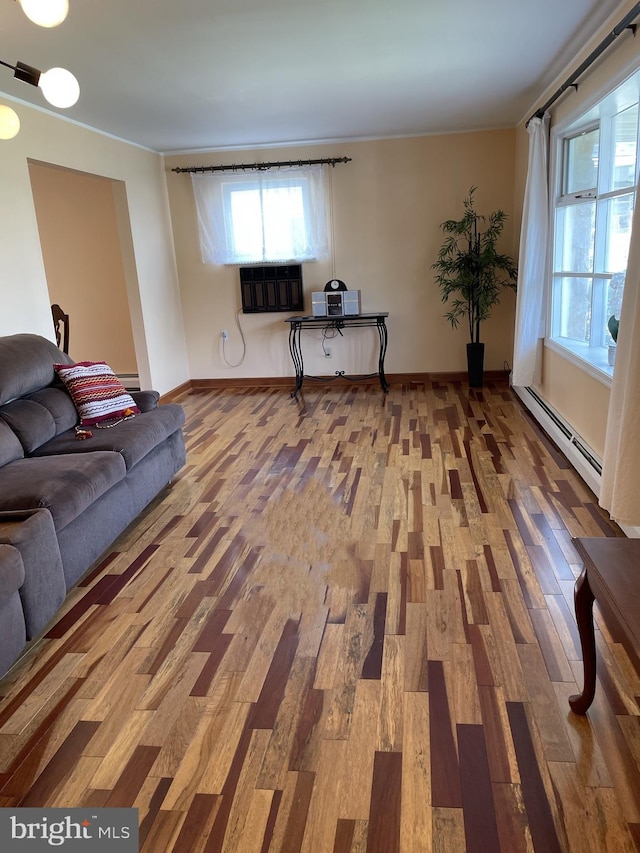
534,238
246,217
620,491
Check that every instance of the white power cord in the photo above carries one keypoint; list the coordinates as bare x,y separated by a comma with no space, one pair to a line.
328,334
223,341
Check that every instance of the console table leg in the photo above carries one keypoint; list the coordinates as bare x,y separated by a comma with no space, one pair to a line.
382,332
584,599
295,348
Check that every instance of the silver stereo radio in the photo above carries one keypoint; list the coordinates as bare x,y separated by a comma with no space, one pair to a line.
335,304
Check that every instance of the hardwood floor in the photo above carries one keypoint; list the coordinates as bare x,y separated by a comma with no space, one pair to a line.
348,626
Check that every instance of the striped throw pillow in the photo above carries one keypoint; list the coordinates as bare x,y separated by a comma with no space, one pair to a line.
96,391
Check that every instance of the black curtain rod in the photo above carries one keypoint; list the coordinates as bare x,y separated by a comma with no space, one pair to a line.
570,82
261,167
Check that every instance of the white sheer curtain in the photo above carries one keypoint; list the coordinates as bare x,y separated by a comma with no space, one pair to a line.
253,217
534,237
620,491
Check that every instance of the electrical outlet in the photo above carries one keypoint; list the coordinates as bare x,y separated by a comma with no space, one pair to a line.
224,335
327,352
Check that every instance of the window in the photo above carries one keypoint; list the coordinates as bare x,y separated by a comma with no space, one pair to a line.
257,217
596,191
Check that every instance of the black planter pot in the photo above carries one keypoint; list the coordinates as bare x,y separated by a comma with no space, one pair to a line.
475,364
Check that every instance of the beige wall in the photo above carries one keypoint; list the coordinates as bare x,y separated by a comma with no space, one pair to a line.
80,243
151,277
571,390
388,204
580,398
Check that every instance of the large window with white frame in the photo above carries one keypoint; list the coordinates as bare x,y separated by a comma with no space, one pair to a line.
596,182
263,216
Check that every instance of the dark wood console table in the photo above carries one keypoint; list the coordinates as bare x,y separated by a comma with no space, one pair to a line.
611,576
297,324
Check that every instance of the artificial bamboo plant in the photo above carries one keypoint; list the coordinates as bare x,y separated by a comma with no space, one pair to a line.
470,270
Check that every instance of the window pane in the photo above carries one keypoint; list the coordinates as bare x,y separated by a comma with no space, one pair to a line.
574,308
581,162
625,139
614,300
254,218
574,239
246,215
269,224
593,219
283,222
618,214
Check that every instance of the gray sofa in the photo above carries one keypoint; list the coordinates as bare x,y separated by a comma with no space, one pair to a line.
64,501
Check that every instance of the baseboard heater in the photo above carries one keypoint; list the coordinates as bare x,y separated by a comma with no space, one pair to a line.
585,461
566,430
131,381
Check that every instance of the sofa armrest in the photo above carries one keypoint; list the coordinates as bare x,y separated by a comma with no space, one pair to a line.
146,401
32,533
13,634
11,571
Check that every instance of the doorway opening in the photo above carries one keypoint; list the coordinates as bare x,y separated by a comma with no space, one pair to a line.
87,252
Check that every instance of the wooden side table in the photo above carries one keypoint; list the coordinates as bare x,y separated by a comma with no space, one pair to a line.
611,576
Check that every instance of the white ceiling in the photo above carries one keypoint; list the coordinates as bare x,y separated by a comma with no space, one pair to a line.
176,75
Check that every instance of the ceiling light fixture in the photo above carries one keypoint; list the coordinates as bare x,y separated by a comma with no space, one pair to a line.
9,122
58,85
45,13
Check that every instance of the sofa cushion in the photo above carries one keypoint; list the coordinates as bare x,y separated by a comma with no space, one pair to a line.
96,391
31,422
56,400
10,447
65,485
26,364
132,438
40,416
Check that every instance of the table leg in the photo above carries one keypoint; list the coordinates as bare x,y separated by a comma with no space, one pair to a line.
295,348
382,333
584,598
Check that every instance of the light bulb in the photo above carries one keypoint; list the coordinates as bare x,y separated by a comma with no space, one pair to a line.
59,87
9,122
45,13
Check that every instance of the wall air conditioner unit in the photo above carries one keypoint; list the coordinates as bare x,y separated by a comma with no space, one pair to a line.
271,288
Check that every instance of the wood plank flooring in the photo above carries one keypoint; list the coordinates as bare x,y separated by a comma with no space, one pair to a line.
347,626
